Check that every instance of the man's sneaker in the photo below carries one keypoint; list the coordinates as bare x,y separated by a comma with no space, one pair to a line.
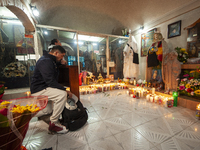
57,128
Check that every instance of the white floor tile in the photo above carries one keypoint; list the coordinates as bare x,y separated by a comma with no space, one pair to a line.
132,140
133,119
96,131
117,121
93,117
117,124
109,143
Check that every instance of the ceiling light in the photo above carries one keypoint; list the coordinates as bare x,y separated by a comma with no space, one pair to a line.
45,32
94,44
141,29
12,21
89,38
34,10
80,43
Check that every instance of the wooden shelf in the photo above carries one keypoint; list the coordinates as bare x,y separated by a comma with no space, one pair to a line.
190,66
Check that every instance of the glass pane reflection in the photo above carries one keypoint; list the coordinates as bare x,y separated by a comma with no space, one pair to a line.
92,54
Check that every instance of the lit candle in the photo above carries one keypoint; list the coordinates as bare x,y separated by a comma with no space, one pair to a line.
153,91
170,102
151,99
148,97
198,112
175,97
142,92
156,98
28,93
160,100
127,92
138,94
108,87
165,102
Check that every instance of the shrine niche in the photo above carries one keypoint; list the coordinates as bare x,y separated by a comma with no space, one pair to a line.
162,65
193,39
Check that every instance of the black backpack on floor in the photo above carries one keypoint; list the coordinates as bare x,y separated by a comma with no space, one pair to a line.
74,119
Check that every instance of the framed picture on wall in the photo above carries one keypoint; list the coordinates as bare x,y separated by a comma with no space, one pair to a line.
146,41
174,29
193,49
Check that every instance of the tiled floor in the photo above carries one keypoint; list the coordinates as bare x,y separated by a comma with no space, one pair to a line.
119,122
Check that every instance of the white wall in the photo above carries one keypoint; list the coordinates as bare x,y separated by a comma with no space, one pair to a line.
188,14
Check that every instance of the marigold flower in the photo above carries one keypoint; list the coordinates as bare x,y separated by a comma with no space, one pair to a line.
183,49
5,102
27,108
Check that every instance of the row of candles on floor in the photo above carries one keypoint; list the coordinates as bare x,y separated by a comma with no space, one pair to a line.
92,89
159,99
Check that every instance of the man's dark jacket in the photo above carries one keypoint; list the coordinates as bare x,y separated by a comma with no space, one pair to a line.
45,74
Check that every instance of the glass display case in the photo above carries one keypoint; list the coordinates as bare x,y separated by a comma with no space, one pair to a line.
91,53
116,46
17,54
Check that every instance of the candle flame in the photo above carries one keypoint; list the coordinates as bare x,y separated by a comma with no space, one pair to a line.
28,93
198,107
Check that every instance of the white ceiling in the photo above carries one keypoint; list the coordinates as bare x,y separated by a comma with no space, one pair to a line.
103,16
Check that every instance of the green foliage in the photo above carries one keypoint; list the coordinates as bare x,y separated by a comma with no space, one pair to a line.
2,88
182,54
4,121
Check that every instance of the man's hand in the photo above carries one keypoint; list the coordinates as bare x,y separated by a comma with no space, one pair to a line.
69,94
63,62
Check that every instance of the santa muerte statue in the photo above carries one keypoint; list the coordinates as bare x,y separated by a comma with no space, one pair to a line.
166,68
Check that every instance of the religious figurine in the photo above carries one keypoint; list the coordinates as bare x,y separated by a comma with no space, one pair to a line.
98,64
100,78
171,69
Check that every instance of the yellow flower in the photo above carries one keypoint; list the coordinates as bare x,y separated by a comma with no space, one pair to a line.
183,61
192,71
187,86
186,53
197,92
26,109
183,49
5,103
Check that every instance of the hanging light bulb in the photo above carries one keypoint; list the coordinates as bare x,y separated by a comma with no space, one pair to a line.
35,11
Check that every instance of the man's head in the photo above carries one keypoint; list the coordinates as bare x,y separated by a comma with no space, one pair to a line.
58,51
55,42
